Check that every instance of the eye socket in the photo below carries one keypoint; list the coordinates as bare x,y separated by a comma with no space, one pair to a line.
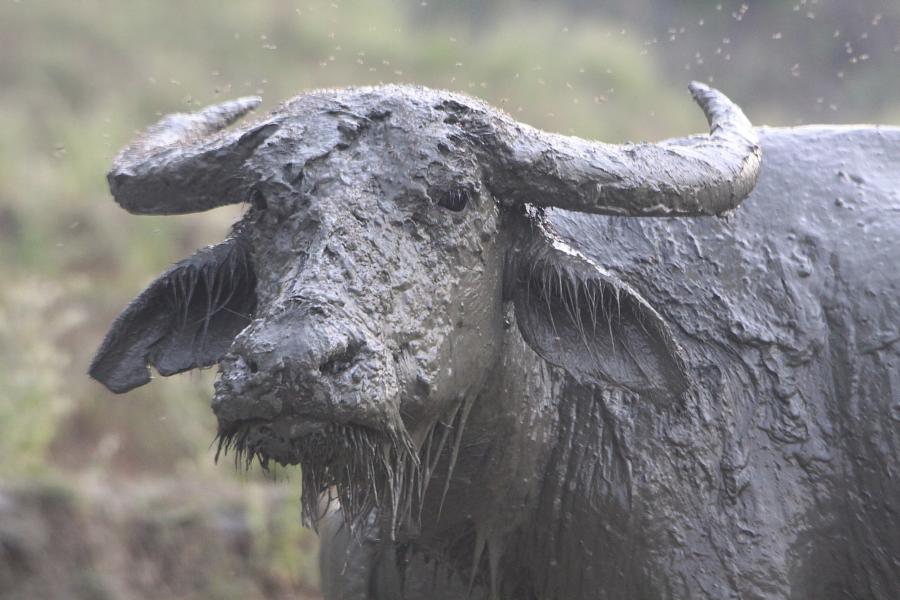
455,199
452,184
257,199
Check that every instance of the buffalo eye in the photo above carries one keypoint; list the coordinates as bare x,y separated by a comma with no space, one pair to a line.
257,199
452,184
455,199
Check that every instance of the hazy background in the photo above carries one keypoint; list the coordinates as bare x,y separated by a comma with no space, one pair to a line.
118,497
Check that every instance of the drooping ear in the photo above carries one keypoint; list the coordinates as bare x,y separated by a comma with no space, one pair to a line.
186,318
586,320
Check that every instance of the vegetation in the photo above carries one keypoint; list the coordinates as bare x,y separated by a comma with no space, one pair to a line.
77,79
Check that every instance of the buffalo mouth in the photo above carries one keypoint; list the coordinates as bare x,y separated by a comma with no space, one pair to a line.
359,467
286,441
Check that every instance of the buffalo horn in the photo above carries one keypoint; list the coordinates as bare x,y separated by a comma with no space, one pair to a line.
700,175
186,163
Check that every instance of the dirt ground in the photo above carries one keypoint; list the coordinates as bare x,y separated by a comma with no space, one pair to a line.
99,540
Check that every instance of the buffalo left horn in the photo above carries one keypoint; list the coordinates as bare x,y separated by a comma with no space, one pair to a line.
186,163
701,175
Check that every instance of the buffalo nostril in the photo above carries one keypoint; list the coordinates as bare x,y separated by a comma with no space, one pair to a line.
339,361
253,366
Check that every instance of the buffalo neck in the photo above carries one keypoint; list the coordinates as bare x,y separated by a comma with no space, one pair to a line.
543,477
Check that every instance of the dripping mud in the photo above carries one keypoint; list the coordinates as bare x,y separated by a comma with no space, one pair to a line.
360,468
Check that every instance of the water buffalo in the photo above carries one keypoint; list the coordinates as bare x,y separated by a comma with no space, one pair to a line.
500,383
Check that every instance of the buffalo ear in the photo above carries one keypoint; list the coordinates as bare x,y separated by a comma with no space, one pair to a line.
186,318
586,320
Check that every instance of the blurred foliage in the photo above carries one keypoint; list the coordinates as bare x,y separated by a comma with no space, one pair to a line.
77,79
788,61
197,539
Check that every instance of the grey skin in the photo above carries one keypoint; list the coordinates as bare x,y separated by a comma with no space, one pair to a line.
512,386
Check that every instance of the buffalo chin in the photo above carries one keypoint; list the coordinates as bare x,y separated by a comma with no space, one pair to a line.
286,441
360,468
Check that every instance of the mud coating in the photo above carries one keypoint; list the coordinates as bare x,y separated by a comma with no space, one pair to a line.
500,383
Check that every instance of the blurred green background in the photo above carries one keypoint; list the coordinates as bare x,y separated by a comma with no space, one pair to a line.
118,497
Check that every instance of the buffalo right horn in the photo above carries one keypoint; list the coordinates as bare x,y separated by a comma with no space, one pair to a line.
703,175
185,163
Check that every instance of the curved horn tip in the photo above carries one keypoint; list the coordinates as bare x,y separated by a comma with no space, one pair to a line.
705,95
697,87
226,113
719,108
244,103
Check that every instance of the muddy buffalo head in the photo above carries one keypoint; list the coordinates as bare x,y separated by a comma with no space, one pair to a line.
389,233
